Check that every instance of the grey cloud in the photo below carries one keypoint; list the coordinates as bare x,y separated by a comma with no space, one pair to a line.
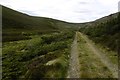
83,11
83,2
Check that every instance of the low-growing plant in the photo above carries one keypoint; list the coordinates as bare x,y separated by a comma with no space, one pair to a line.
23,58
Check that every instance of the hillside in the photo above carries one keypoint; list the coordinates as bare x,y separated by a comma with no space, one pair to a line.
12,18
105,31
18,24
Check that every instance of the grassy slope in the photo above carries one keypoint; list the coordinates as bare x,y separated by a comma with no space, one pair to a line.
105,31
19,26
14,19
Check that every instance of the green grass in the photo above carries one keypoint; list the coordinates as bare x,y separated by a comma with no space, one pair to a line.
112,55
28,58
90,64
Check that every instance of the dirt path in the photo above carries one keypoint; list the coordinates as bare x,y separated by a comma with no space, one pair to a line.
103,58
73,71
88,61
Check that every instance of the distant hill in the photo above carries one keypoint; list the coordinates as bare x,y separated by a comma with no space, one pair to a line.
105,31
16,23
14,19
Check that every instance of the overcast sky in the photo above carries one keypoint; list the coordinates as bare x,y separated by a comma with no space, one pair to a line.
68,10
